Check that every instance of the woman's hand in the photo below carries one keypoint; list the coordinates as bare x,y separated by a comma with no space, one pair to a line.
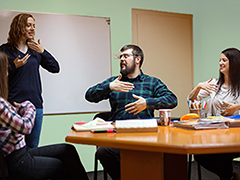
229,108
36,46
20,62
16,104
207,86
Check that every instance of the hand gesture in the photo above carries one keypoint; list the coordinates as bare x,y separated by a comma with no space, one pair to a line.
228,108
16,104
207,86
20,62
36,46
136,106
121,86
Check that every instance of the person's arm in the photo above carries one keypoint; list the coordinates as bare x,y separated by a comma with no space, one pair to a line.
48,62
102,90
207,86
98,92
19,119
163,98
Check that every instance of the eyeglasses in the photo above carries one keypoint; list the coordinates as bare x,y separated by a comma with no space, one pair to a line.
125,56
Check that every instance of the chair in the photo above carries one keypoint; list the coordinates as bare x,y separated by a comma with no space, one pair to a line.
104,116
3,166
190,168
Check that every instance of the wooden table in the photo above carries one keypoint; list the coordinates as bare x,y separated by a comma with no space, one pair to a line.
161,155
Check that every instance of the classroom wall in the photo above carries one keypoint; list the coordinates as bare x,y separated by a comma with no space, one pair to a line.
215,27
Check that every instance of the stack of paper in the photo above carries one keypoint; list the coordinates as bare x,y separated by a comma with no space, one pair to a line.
199,124
136,125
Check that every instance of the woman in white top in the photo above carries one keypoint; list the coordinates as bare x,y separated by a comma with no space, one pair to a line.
224,93
224,100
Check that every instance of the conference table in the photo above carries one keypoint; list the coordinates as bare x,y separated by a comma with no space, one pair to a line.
161,155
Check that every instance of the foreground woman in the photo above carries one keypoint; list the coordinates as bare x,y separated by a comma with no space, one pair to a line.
60,161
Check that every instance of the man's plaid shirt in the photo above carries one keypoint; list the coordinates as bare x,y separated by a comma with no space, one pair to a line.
156,93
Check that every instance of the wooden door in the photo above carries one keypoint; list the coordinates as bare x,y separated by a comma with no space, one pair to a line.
166,39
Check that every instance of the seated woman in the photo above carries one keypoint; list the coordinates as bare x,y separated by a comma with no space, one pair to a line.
60,161
224,100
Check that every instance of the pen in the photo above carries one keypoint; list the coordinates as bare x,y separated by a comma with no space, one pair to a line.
103,131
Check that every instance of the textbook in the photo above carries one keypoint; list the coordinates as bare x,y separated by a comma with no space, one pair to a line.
136,125
200,124
97,123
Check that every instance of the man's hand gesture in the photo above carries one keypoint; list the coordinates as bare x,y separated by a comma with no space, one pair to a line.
121,86
137,106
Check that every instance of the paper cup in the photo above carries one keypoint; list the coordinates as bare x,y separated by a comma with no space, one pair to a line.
164,117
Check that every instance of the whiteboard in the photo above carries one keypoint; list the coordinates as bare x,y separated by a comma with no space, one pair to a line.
81,45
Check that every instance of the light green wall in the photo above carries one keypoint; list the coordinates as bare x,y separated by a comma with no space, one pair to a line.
215,27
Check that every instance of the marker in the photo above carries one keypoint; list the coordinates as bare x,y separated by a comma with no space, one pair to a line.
189,103
205,105
103,131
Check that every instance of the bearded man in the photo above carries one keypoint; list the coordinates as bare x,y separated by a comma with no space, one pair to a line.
132,95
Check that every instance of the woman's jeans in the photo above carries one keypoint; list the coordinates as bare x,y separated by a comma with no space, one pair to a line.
32,139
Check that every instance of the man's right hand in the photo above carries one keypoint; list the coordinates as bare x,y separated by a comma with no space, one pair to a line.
20,62
121,86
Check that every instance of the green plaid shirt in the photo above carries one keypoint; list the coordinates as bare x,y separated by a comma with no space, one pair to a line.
156,93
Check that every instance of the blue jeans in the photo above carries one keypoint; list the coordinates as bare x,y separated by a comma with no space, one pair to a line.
32,139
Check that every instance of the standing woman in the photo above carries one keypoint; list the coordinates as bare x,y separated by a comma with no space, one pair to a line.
59,161
224,99
25,56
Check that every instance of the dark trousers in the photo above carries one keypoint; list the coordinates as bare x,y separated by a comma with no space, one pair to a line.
110,160
220,164
60,161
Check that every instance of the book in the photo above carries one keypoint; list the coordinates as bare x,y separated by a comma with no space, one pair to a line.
234,121
136,125
97,123
200,124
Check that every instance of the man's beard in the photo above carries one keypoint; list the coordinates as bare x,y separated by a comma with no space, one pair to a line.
128,70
